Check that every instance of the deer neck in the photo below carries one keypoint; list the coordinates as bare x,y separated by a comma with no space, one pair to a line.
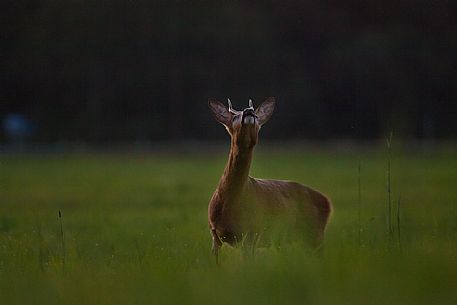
236,172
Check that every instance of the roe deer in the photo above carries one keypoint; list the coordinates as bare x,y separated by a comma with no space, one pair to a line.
244,205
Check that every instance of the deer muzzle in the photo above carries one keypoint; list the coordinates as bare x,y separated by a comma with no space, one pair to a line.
249,117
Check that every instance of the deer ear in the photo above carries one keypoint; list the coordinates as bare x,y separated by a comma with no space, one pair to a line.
220,112
265,110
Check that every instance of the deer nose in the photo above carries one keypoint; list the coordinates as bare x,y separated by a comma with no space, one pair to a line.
248,116
248,111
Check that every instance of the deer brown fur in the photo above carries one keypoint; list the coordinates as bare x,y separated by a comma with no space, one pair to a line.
244,205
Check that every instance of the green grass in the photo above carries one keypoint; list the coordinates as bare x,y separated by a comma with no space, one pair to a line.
135,231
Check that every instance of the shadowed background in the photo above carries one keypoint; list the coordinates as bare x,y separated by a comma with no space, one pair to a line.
100,227
110,71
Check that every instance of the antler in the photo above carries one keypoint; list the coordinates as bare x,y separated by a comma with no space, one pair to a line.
250,104
230,107
230,104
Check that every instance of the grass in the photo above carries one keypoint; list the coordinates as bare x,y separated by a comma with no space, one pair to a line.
135,231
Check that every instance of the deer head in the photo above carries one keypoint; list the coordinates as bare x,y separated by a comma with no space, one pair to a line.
243,126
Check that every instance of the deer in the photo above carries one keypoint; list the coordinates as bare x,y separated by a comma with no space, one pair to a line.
242,205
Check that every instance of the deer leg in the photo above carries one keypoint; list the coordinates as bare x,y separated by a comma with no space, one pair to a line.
313,234
319,244
216,244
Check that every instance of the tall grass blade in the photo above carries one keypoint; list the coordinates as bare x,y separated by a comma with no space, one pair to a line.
40,246
389,186
359,203
398,224
62,239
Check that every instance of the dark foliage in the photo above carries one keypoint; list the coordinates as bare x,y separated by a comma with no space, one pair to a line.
143,70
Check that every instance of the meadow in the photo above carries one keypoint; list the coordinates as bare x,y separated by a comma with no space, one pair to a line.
133,230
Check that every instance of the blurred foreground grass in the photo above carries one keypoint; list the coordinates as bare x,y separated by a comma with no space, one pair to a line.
136,232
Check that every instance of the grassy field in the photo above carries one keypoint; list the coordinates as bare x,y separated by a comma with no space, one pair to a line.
135,231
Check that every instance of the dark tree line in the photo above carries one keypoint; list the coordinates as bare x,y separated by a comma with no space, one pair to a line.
143,70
